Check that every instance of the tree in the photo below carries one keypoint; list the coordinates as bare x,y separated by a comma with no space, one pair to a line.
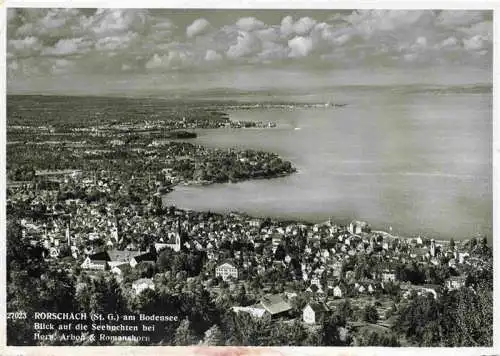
213,337
184,335
330,332
280,253
370,314
107,297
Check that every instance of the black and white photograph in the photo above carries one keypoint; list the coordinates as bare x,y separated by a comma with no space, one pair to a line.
249,177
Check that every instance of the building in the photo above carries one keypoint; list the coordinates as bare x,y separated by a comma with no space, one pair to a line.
337,292
148,257
256,311
275,305
226,270
388,276
357,227
453,283
433,248
425,289
143,284
172,241
118,257
314,313
276,241
97,261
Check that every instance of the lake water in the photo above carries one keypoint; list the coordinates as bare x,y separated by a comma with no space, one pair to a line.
414,160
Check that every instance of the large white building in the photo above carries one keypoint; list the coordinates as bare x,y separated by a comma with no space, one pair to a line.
226,270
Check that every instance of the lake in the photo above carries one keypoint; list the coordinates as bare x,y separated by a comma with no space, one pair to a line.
419,161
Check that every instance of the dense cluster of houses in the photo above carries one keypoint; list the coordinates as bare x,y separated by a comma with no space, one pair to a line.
102,234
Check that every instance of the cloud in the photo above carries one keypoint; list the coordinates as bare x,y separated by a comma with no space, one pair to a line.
173,60
300,46
249,24
69,46
457,18
27,46
198,27
247,43
137,40
273,51
108,22
113,43
62,66
304,25
211,56
271,34
286,27
474,43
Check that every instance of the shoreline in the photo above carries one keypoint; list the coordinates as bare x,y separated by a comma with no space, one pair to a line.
304,219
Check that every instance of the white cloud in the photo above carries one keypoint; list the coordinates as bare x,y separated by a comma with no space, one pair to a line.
174,59
485,29
300,46
270,34
62,66
342,39
456,18
449,42
212,56
30,42
113,43
249,24
286,27
135,38
198,27
474,43
304,25
156,61
420,43
164,24
110,22
273,51
247,44
67,47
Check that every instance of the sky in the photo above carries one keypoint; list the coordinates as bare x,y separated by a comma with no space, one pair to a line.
127,51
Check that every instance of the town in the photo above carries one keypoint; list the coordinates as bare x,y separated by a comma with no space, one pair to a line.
88,226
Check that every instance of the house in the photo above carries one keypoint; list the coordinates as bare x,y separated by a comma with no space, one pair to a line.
143,284
118,257
149,257
315,289
337,292
276,241
315,280
425,289
370,289
97,261
120,269
257,310
388,276
314,313
255,223
226,270
357,227
455,282
275,305
359,287
172,241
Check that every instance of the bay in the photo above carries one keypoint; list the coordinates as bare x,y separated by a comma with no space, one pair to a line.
419,161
